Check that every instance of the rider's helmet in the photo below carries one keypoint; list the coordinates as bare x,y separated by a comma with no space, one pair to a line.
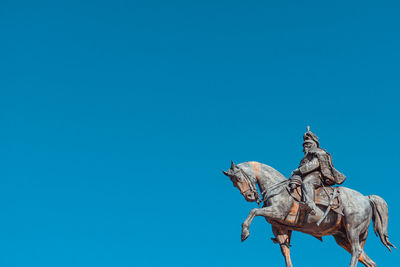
310,137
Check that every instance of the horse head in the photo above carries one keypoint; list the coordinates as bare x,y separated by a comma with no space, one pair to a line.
242,181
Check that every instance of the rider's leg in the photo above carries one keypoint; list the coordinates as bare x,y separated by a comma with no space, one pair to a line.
310,182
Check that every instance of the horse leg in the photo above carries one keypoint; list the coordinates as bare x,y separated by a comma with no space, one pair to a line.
364,257
282,237
342,241
268,212
367,260
356,250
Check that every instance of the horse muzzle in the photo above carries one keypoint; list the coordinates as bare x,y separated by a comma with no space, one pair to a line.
249,195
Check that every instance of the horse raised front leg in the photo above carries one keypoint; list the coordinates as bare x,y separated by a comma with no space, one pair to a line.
267,212
282,237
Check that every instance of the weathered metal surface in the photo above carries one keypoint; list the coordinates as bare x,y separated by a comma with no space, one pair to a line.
295,204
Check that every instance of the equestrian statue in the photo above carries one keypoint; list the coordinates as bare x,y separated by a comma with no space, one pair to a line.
309,202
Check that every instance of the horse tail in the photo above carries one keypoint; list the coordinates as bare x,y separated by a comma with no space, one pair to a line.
380,217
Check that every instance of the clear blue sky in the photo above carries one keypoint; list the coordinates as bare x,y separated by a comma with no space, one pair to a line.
117,118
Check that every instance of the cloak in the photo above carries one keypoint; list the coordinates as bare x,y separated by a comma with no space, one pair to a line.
331,176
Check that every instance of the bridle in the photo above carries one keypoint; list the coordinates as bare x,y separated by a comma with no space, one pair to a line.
252,187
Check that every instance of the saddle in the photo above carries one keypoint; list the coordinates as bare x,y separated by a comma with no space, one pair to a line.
322,199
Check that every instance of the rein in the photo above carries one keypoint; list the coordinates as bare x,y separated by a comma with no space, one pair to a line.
267,192
252,187
264,193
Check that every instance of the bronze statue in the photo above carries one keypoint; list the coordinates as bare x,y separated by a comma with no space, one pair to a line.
316,169
338,211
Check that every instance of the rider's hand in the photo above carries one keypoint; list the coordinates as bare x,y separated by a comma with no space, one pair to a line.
292,186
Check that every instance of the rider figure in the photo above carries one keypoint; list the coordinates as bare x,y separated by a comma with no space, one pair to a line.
316,169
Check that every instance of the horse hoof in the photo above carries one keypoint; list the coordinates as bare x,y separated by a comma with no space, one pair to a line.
245,235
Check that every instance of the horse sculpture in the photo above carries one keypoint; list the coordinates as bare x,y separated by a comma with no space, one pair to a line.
349,225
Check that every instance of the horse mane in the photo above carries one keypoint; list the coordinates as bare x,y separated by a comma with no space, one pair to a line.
263,169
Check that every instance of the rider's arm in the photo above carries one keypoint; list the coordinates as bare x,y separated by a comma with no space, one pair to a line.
309,166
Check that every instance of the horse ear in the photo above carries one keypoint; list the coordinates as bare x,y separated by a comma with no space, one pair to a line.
224,172
232,165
